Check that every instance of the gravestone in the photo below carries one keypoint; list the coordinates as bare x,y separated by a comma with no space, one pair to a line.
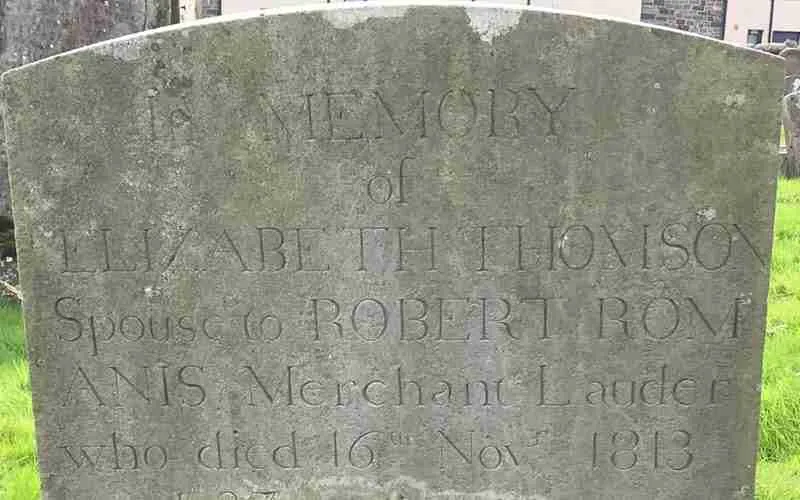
394,251
34,29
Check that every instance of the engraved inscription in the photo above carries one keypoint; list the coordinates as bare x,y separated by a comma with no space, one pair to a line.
376,284
344,115
520,248
625,450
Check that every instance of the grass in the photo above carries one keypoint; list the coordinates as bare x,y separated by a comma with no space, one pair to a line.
778,474
18,475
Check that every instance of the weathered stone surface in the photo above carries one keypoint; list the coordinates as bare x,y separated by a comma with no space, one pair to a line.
396,252
34,29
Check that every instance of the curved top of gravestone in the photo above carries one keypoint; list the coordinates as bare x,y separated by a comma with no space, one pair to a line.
358,48
488,20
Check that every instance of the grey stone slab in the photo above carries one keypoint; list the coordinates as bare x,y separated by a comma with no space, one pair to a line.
34,29
396,251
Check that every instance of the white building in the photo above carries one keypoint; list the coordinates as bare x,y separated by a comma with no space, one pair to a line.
749,21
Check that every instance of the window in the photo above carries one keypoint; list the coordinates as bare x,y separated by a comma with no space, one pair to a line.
782,36
754,37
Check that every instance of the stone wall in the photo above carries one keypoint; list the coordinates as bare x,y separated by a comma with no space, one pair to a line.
34,29
705,17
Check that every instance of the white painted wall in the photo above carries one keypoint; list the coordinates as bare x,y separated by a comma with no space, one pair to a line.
630,10
746,15
624,9
234,6
787,15
188,10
